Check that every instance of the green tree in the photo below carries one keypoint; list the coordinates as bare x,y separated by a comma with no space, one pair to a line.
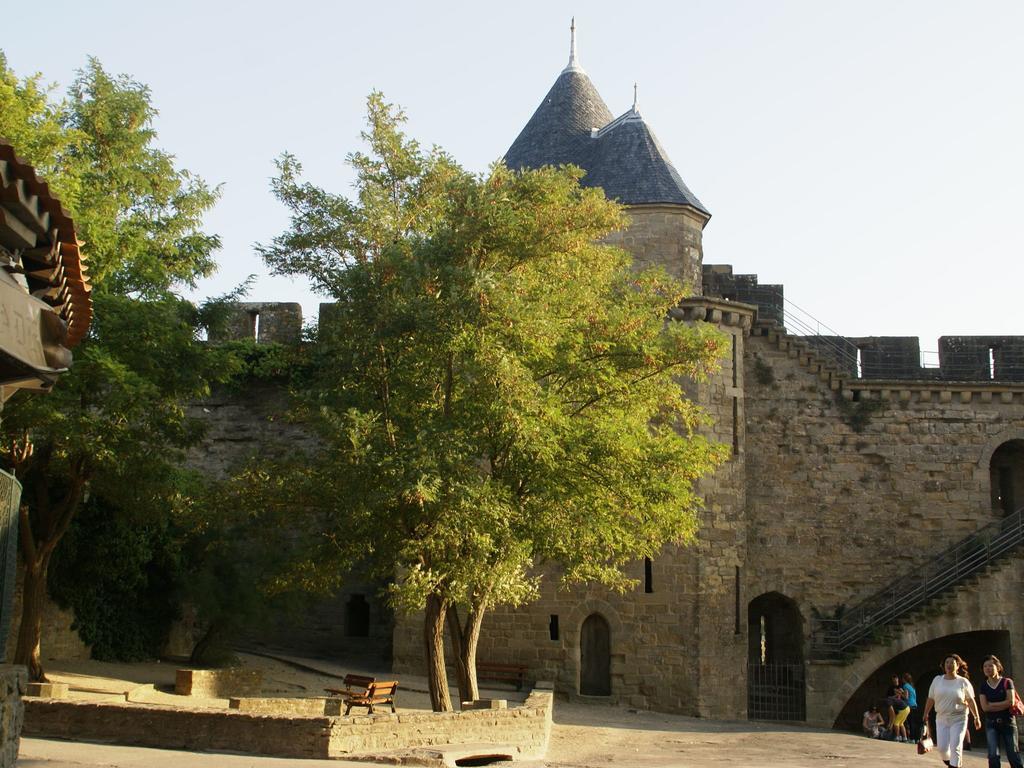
497,388
115,425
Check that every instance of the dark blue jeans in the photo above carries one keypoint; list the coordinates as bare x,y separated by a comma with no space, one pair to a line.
1002,734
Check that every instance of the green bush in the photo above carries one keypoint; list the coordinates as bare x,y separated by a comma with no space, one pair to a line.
120,575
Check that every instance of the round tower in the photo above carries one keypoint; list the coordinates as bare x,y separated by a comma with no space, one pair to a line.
622,156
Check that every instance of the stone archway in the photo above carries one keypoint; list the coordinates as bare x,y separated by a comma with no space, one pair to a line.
924,662
595,656
1006,477
571,675
991,607
775,659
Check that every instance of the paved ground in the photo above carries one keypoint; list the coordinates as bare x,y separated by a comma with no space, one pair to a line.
584,735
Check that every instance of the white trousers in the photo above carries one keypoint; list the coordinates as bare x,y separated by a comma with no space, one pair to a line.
949,737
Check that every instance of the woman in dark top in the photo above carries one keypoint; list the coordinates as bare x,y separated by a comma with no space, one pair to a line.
899,709
996,696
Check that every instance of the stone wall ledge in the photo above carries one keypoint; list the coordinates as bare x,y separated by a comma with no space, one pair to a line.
904,391
718,311
528,727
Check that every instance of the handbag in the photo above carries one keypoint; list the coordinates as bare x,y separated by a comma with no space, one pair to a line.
1017,707
925,745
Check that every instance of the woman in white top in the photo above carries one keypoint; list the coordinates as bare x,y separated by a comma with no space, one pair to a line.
952,697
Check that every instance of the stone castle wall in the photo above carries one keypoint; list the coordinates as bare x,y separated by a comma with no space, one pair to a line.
835,513
59,640
992,607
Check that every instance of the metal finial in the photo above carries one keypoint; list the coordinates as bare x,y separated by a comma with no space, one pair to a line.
635,109
573,61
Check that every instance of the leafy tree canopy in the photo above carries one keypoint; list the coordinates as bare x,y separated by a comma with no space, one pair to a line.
115,423
498,387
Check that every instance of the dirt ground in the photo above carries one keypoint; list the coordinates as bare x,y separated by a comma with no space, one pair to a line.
583,736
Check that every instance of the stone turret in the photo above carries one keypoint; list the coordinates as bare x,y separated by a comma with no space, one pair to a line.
573,125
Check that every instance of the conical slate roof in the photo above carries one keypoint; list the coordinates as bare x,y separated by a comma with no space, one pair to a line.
628,162
622,156
559,131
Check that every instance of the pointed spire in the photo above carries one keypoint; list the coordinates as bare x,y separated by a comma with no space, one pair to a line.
636,108
574,64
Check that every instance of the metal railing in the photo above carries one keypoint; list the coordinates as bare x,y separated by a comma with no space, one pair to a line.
834,638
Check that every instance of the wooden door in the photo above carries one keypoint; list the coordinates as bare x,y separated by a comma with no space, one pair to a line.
595,657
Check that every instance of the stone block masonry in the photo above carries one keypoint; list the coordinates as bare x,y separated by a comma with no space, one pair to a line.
668,236
218,683
321,706
178,728
528,727
13,682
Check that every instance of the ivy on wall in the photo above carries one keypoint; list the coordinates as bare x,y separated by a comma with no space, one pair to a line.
119,573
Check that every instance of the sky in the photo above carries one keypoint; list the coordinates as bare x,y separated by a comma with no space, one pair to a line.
867,155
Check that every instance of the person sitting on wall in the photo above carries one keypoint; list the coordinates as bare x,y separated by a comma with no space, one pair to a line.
873,722
896,703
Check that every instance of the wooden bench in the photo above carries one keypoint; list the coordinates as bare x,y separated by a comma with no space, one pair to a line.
354,684
506,673
376,693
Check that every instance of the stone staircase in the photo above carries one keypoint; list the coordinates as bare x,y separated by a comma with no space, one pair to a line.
872,621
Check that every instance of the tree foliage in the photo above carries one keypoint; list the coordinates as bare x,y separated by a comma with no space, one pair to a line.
121,576
115,426
498,388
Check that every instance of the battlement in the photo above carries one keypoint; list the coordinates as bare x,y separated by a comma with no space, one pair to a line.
265,321
961,358
880,358
720,283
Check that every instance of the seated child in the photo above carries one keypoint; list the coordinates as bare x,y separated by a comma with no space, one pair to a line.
872,723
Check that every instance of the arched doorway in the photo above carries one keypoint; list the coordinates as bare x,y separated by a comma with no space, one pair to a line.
1006,473
357,617
595,656
775,659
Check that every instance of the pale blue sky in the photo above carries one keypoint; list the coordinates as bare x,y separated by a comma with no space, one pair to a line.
868,155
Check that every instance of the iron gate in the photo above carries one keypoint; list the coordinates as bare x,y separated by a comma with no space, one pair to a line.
776,692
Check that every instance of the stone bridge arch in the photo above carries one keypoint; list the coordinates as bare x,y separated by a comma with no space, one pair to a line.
923,663
976,614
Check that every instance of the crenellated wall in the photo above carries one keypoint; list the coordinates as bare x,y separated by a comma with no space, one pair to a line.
837,485
264,321
833,482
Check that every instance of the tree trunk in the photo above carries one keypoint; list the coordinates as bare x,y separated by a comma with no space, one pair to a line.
36,544
201,650
464,642
433,636
461,672
33,597
470,638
